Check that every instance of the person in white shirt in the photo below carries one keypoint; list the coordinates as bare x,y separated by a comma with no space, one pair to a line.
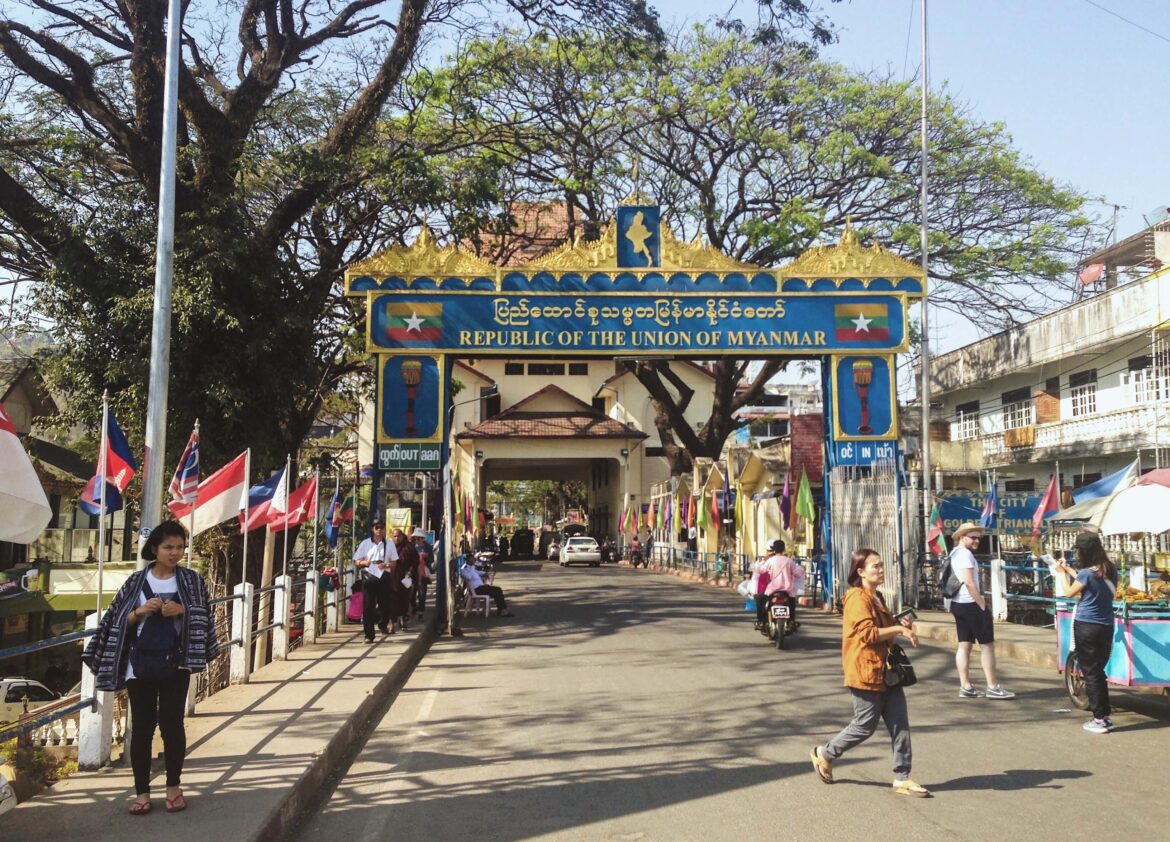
973,620
477,585
374,555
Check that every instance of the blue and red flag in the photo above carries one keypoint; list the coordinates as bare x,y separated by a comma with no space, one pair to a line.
185,482
332,522
105,497
260,497
990,508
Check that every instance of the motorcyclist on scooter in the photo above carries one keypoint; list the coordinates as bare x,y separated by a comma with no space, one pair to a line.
784,575
636,556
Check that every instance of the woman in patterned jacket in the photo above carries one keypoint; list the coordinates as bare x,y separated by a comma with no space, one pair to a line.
168,603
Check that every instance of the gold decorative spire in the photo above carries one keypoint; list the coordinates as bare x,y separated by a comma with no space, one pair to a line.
849,259
423,258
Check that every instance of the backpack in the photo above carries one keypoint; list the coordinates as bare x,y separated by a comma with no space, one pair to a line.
154,653
948,583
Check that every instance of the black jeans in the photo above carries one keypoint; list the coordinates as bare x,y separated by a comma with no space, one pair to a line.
1094,642
419,595
495,593
375,604
158,704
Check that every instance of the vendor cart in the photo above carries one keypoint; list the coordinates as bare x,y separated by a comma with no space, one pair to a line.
1141,647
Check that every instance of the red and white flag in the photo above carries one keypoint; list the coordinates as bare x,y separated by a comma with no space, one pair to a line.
302,506
220,497
1049,504
24,508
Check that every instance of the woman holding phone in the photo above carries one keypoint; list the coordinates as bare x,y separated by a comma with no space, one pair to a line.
155,634
867,632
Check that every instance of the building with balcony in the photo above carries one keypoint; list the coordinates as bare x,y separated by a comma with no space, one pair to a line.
1084,390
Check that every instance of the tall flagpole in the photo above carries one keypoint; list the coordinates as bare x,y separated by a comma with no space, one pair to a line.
101,490
244,521
927,497
160,342
316,520
287,482
194,505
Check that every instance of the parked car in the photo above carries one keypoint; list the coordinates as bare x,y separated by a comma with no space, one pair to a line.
523,543
581,549
13,692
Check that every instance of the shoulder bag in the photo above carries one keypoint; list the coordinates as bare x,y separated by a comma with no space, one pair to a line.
154,653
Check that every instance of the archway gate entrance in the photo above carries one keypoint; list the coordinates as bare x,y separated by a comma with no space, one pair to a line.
638,292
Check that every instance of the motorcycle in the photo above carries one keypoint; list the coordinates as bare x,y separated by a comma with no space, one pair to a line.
485,560
638,559
780,619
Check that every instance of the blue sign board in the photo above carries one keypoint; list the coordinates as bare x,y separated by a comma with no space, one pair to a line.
864,453
639,240
864,407
684,324
410,394
1015,511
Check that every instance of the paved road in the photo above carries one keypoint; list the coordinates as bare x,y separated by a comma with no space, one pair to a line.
625,705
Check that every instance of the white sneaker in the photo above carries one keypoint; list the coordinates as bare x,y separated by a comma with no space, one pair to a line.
1096,726
999,693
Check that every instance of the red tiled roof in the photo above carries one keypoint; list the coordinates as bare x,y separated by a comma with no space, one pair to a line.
551,425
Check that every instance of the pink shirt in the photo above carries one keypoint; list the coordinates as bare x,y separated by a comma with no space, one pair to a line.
782,573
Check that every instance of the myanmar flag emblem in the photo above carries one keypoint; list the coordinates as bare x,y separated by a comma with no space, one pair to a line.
413,325
862,322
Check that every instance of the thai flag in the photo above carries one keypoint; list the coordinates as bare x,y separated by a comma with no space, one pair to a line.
990,508
120,468
185,483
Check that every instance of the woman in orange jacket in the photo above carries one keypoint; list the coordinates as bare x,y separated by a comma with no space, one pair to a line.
867,631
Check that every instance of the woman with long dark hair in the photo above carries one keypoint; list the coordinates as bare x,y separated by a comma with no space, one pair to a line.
155,634
1096,585
868,629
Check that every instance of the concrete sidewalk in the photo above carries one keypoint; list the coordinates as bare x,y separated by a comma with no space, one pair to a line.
1014,642
264,750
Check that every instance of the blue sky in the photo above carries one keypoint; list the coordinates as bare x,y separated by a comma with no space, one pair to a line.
1083,94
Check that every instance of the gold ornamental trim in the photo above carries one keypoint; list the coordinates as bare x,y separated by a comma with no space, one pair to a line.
849,259
422,258
601,256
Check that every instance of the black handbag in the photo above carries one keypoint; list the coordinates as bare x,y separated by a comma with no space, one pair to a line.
899,670
154,652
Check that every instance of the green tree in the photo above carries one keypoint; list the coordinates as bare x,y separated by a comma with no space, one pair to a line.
298,153
763,149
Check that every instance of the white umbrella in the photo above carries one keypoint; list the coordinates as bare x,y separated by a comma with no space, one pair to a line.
1139,508
24,509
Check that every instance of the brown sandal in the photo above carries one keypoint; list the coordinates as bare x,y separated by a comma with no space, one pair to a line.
177,804
140,808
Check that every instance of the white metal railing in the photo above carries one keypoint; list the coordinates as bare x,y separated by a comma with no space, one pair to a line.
1095,429
100,714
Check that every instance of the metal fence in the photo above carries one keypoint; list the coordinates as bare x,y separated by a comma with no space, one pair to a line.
865,512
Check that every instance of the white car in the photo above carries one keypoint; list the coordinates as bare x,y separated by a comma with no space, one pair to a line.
581,549
13,692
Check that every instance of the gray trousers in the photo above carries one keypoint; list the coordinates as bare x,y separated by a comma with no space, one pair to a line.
868,707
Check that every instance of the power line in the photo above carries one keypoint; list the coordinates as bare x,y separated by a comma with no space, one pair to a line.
1132,23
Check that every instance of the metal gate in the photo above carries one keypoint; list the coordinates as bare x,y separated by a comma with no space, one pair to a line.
864,512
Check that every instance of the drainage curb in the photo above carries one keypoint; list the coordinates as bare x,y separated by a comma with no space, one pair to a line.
282,821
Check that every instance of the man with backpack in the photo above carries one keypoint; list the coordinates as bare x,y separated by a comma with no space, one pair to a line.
973,620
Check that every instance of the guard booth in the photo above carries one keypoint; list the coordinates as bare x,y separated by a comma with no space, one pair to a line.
639,292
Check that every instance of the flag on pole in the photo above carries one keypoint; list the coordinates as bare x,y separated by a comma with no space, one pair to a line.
934,537
302,506
702,516
24,508
220,497
690,505
1049,504
278,504
786,501
120,469
259,508
805,507
185,482
715,519
332,524
727,507
650,515
1111,484
344,511
990,508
